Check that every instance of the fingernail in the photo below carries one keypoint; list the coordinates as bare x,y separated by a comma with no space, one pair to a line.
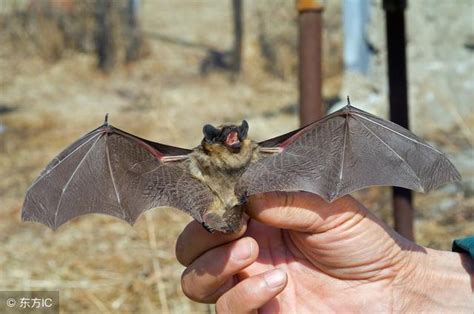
275,279
243,251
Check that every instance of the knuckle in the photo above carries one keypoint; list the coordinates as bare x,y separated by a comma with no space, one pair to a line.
288,200
232,299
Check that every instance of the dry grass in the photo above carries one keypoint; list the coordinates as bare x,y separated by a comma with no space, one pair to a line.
98,263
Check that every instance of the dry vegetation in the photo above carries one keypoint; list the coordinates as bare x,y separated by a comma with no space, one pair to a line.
101,264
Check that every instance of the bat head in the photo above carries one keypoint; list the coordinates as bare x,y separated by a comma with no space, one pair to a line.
228,135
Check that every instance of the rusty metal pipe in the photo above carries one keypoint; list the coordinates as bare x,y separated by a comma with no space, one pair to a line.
310,66
398,97
238,35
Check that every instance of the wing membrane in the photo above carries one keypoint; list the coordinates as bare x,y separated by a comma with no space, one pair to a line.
347,151
112,172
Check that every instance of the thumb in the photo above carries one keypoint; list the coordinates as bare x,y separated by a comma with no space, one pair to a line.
302,211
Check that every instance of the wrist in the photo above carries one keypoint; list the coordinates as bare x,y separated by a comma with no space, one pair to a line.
435,281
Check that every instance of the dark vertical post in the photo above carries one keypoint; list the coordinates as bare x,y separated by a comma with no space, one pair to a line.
310,67
133,33
238,35
105,38
398,97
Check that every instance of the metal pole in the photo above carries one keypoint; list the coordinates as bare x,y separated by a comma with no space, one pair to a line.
398,97
106,43
310,67
238,34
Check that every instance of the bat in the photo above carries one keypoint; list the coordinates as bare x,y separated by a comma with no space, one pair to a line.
113,172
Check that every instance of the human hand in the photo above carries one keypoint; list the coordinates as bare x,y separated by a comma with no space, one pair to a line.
301,254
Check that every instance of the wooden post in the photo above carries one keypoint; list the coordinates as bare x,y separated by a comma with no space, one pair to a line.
310,67
398,97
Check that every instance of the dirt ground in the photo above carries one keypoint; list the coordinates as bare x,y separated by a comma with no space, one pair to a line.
101,264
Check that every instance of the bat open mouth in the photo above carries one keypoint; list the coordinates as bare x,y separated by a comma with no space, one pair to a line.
232,140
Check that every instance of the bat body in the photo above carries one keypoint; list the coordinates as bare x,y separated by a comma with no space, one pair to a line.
113,172
220,170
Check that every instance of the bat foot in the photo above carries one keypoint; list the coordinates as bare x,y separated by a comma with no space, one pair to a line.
229,222
207,227
243,199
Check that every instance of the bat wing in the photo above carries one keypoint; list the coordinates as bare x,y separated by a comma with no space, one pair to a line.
112,172
344,152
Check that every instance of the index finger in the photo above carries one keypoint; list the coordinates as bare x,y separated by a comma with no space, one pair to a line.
195,240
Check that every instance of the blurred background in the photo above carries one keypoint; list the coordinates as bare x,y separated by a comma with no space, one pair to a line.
162,69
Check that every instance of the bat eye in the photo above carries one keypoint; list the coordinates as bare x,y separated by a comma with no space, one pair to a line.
243,129
210,133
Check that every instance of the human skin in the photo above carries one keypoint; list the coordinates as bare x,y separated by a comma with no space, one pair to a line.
299,254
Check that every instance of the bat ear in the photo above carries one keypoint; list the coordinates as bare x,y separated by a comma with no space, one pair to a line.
243,129
210,132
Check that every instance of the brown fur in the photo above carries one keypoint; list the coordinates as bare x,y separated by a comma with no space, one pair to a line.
220,169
